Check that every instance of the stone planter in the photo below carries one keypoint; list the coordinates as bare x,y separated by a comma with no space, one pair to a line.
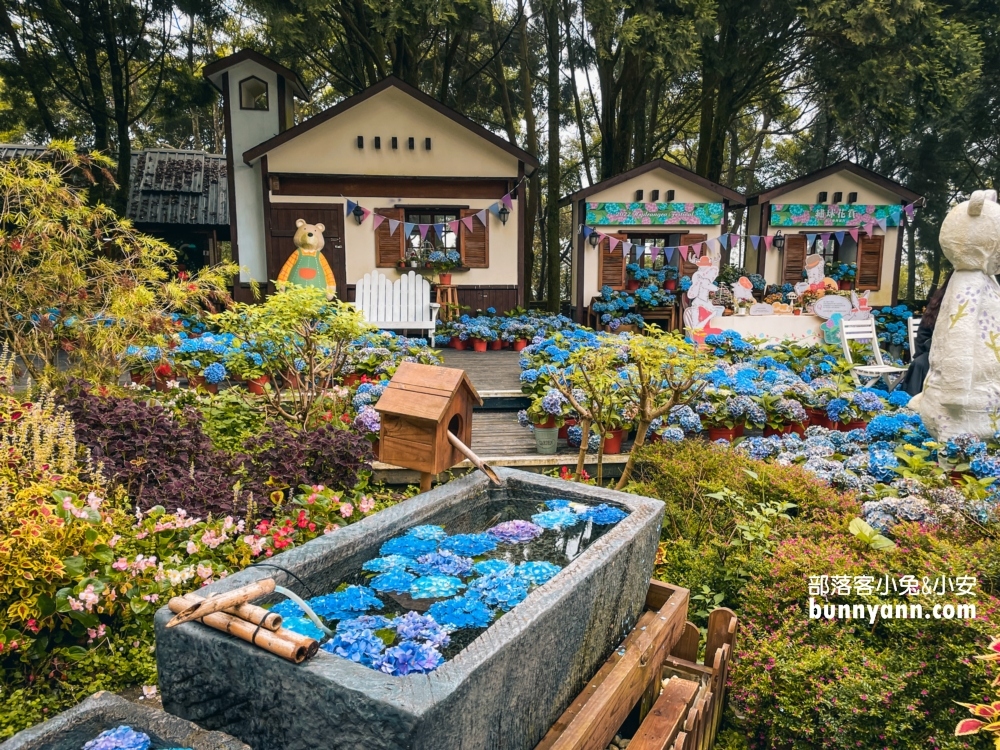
504,690
101,711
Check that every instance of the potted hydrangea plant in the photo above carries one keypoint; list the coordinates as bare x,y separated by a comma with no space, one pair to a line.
669,277
442,262
636,275
480,333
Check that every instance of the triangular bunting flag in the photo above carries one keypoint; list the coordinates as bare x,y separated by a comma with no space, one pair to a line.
495,210
439,230
468,222
909,210
654,252
839,236
587,231
627,246
810,239
614,241
453,226
755,241
825,236
869,229
506,200
768,241
482,217
853,233
365,213
733,239
350,207
881,223
377,221
408,228
422,228
724,240
393,223
669,252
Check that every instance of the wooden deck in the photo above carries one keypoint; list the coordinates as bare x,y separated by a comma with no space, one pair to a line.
494,374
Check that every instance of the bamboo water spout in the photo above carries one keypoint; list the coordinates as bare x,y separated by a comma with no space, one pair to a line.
476,460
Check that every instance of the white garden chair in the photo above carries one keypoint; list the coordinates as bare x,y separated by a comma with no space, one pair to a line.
911,328
403,304
868,375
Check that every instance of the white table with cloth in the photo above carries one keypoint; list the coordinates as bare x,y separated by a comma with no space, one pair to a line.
804,328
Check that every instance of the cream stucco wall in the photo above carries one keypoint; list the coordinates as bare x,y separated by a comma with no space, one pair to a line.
331,147
656,179
359,240
868,193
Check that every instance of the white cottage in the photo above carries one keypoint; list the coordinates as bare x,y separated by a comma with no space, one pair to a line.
392,150
844,212
657,204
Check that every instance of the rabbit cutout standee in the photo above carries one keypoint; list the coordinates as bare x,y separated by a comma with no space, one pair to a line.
962,389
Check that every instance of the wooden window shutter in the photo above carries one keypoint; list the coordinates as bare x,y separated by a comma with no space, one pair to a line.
475,245
870,263
795,259
611,267
687,268
389,248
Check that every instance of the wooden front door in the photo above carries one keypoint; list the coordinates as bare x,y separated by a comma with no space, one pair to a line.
282,231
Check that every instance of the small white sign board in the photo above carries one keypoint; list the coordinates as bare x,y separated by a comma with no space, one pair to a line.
826,307
761,308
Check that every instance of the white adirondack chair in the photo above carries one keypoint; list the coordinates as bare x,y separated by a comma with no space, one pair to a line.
404,304
868,375
911,327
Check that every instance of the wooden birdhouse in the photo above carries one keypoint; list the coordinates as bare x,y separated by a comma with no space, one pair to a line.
421,404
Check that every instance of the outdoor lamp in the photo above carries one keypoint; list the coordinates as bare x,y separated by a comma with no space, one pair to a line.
504,214
779,241
594,239
359,214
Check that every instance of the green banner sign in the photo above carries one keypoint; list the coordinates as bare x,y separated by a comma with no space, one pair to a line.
832,215
628,214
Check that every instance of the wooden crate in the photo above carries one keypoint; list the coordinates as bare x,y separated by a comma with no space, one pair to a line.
631,673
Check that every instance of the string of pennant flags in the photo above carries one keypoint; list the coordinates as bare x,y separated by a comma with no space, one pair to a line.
729,239
507,202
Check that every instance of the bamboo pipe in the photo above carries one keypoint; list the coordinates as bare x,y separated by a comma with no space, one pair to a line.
231,599
284,643
249,612
476,460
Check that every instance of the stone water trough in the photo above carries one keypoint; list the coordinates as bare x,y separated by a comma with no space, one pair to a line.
504,690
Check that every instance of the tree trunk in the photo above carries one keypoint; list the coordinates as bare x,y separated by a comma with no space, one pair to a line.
534,193
552,198
640,439
581,457
911,263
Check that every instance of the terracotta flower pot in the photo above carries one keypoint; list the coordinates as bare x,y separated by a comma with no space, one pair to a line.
198,381
738,429
799,428
548,424
632,284
720,433
458,344
445,279
352,379
774,431
856,424
256,385
478,345
844,285
670,285
519,344
613,442
818,417
496,346
564,430
141,378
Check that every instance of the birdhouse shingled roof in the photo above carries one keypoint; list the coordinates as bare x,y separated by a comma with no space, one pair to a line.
424,391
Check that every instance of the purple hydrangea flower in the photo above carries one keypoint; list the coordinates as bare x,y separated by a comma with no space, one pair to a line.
414,626
515,532
443,563
409,657
119,738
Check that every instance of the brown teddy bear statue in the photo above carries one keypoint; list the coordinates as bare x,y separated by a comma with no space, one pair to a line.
307,266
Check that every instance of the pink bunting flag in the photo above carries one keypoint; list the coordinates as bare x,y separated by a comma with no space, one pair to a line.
453,226
468,222
482,217
393,223
869,229
908,208
825,236
654,252
506,200
422,228
853,233
768,241
614,242
377,221
365,214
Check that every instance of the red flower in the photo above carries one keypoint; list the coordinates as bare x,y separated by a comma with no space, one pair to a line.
182,275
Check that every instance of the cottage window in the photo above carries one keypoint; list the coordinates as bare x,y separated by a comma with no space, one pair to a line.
253,94
432,241
640,252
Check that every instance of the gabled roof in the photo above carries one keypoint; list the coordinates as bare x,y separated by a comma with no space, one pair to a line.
846,166
391,82
214,70
735,198
424,391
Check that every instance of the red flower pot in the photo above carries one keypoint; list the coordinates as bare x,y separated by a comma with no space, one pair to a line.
799,428
772,431
613,442
478,345
818,417
496,346
352,379
519,344
564,430
738,430
956,478
548,424
445,279
632,284
198,381
856,424
458,344
844,284
142,378
256,385
718,433
670,285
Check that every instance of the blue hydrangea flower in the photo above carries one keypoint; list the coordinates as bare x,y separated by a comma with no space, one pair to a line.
557,504
119,738
215,373
351,599
462,612
303,626
603,515
435,587
409,657
486,567
357,645
287,608
395,580
500,590
536,572
387,563
468,545
556,519
365,622
427,532
408,546
414,626
443,563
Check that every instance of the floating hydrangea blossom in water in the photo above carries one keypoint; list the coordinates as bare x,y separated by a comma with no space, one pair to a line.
357,645
557,504
408,545
120,738
365,622
469,545
288,608
387,563
536,572
435,587
409,657
443,563
394,580
427,532
500,590
486,567
414,626
302,626
352,599
515,532
603,515
466,611
556,519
